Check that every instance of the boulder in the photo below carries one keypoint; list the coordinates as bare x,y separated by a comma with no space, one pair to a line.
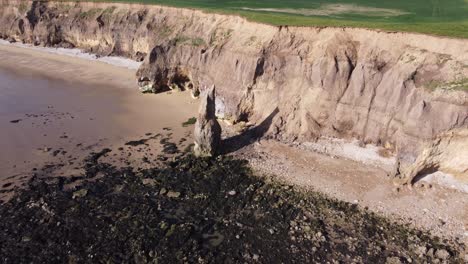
448,153
207,133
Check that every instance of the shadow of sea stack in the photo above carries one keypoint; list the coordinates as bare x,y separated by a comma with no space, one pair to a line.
207,133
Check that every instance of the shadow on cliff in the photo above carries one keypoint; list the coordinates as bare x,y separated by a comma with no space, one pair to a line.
248,137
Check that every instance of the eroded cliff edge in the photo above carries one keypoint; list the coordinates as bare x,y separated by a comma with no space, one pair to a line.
393,89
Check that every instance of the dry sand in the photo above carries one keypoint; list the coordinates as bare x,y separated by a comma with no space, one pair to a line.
72,106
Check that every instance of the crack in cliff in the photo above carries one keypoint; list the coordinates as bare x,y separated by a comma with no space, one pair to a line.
259,70
369,108
351,69
31,14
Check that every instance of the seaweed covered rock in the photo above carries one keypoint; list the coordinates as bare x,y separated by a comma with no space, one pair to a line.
207,133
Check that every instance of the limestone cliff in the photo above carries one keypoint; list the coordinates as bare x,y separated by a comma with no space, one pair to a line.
396,89
448,152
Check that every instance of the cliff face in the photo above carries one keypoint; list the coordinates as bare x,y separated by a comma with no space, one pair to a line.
380,87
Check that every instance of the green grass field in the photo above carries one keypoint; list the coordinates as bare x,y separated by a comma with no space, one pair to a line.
438,17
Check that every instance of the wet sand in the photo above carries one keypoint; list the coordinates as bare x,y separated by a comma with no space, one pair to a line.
57,108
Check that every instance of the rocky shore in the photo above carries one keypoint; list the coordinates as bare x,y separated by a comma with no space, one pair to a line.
198,210
129,190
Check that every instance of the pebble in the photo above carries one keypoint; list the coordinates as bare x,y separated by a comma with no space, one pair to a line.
393,260
420,251
172,194
150,182
232,193
442,254
430,252
80,193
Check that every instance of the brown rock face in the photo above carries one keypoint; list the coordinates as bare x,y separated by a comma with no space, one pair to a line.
448,152
392,89
207,133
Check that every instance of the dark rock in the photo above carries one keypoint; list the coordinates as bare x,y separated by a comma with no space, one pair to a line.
136,142
181,213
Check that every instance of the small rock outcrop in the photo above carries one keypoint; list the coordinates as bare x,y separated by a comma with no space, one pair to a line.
448,153
207,129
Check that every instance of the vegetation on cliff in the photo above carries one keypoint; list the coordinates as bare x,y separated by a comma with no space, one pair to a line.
446,18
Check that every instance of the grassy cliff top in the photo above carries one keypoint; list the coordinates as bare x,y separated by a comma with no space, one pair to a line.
436,17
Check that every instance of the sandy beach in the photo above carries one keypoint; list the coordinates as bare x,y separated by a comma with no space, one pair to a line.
57,109
145,133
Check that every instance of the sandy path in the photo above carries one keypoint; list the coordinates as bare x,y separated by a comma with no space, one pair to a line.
72,106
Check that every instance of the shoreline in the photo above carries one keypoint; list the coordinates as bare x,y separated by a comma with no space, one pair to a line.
78,53
71,106
122,77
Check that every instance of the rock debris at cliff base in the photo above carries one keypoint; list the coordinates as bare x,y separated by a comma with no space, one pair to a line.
199,211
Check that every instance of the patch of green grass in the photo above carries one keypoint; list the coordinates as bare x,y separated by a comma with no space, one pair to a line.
23,7
64,6
461,84
90,13
190,121
437,17
220,36
165,31
180,40
197,42
109,10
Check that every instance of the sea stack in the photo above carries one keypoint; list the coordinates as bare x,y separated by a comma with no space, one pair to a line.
207,133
